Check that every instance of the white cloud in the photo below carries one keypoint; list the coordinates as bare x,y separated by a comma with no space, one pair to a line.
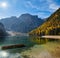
40,7
31,5
42,15
53,6
49,1
45,6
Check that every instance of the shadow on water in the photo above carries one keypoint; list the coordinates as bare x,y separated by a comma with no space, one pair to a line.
3,35
2,39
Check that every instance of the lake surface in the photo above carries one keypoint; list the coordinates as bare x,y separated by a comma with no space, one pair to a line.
28,41
15,53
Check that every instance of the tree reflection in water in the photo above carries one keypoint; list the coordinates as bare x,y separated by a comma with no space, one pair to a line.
38,39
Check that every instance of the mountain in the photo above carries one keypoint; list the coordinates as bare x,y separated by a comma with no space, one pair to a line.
8,22
50,27
25,23
2,30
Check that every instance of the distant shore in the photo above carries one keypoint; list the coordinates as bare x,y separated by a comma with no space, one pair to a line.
12,33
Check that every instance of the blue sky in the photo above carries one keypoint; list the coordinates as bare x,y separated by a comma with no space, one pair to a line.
42,8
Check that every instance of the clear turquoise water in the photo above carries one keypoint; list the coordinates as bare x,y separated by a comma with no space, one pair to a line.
14,53
15,40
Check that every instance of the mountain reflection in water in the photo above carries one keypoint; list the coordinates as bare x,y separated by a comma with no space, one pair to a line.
15,53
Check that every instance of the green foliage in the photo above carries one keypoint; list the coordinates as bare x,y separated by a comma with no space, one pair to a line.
50,27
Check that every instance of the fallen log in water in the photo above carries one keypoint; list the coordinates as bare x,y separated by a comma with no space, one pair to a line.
13,46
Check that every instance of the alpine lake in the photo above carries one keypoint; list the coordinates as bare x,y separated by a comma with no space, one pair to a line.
28,41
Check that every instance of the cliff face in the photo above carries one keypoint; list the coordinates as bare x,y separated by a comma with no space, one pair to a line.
2,30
